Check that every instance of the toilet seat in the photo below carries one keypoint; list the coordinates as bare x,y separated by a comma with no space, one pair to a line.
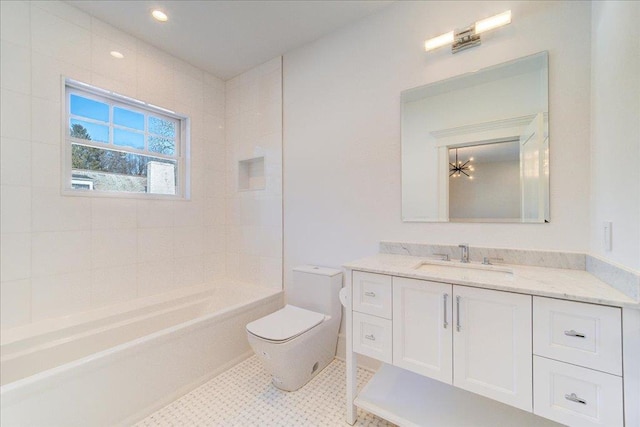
285,324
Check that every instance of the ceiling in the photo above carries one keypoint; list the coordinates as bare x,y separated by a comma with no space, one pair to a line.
227,38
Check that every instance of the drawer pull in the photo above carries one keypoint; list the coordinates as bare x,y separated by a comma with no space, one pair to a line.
572,397
458,313
369,294
370,337
573,333
445,296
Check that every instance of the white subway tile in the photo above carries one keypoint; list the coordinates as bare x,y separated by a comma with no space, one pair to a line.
15,72
60,295
55,253
155,213
45,165
214,211
189,91
155,244
15,209
15,256
232,265
65,11
15,303
16,115
113,284
214,267
102,62
113,248
271,272
59,38
249,269
102,29
189,271
214,101
215,239
108,213
15,22
15,162
53,212
45,122
46,76
189,213
155,277
188,241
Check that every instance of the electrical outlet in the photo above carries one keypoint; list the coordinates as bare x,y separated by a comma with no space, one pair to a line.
607,235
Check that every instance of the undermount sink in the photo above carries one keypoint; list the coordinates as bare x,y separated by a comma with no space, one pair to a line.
466,270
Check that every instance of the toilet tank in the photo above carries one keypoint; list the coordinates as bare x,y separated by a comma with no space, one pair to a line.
316,288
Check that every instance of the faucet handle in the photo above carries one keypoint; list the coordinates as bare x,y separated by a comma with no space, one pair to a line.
487,260
463,245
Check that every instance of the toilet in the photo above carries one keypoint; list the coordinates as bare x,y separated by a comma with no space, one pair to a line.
298,341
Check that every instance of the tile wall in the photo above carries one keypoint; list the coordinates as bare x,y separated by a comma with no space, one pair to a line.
62,255
254,217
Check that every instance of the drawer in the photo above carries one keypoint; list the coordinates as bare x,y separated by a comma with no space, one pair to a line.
576,396
588,335
372,294
372,336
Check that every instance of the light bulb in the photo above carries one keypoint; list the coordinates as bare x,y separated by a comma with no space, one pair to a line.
160,15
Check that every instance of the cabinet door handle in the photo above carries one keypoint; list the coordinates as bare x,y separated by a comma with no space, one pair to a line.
572,397
573,333
369,294
458,313
370,337
445,296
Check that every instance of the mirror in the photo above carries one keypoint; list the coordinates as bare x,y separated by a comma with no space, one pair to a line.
475,148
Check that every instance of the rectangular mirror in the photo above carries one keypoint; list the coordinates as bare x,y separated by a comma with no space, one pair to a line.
475,148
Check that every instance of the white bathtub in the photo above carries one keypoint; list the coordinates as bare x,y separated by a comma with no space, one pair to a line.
113,366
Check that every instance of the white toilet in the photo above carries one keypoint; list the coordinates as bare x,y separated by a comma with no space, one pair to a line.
299,340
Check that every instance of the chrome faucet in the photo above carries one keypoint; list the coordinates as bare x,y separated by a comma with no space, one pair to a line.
465,252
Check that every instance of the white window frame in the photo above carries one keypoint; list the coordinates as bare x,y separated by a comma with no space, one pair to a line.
182,145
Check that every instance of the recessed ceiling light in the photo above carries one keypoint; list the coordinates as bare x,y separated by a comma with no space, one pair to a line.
116,54
160,15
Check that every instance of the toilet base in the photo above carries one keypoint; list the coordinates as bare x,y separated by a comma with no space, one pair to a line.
296,362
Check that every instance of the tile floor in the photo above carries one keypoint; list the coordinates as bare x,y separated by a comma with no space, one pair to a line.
243,396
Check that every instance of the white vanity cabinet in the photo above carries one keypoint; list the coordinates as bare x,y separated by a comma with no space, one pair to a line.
577,369
492,344
558,359
475,339
422,325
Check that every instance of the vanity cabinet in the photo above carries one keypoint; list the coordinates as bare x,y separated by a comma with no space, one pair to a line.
492,344
558,359
476,339
577,366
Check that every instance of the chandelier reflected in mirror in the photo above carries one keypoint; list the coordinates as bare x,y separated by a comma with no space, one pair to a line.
458,168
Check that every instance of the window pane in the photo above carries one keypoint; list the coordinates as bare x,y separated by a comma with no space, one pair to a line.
89,108
128,139
108,170
162,127
86,130
162,145
128,118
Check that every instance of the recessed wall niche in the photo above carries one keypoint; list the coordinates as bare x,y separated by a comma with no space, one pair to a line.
251,174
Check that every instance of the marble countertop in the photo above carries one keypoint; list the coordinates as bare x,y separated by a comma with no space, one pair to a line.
576,285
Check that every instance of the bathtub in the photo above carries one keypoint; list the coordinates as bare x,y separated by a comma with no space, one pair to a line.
115,365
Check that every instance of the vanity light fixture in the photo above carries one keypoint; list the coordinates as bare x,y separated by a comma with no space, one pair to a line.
159,15
116,54
457,168
464,38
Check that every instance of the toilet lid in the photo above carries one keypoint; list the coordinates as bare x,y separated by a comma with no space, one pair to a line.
284,324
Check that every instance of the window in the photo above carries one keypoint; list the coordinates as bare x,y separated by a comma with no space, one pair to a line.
115,144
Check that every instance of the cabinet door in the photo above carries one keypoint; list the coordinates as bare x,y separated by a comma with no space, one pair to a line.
492,345
422,327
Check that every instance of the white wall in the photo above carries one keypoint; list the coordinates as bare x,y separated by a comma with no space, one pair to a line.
342,127
254,217
615,130
62,255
